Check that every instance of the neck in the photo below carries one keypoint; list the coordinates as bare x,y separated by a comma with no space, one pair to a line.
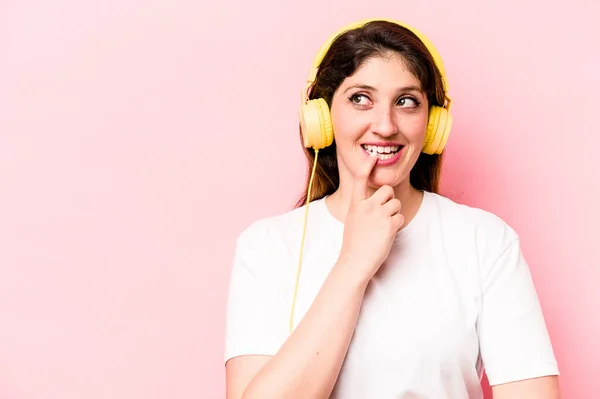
339,202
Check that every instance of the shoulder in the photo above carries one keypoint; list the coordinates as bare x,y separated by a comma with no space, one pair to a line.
481,223
275,239
472,231
272,229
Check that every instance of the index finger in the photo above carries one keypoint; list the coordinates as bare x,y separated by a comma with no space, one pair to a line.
360,187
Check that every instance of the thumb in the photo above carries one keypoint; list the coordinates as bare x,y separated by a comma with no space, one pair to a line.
360,187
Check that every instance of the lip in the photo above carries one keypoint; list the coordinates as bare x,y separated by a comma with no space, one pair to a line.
383,143
385,162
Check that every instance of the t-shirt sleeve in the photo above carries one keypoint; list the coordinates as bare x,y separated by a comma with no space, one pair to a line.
257,298
514,341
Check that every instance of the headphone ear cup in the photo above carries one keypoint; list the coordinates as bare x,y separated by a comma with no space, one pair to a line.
444,129
315,123
438,130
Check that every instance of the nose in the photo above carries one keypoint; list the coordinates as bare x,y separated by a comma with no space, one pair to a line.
384,123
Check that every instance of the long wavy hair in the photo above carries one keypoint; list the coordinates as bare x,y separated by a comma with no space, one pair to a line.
347,53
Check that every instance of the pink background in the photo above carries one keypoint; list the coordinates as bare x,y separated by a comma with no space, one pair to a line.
137,139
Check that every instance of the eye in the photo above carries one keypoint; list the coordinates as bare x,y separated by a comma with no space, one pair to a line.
356,99
409,102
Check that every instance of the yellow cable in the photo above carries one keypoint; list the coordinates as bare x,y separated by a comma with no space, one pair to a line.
312,175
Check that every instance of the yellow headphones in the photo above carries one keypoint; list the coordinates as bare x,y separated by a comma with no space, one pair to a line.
317,130
315,120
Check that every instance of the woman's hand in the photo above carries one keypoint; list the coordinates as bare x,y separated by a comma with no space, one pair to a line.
371,223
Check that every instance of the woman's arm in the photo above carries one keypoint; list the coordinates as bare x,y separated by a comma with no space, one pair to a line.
535,388
515,344
308,363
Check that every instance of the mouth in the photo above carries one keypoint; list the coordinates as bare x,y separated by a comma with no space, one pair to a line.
384,153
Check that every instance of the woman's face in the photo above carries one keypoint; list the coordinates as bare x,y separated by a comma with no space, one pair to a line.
380,108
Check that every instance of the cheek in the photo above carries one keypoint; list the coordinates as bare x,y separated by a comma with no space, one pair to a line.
417,128
346,130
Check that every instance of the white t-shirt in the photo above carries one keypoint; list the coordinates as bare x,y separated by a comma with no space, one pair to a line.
454,295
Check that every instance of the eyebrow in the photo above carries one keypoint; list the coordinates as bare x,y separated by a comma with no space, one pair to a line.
367,87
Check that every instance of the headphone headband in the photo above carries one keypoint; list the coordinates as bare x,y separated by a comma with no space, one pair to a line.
325,47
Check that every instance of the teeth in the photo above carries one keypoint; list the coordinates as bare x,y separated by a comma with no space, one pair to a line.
382,149
385,156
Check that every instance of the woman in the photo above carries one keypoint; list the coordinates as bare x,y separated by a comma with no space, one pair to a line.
403,293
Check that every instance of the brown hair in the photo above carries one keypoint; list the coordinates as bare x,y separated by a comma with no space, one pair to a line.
346,54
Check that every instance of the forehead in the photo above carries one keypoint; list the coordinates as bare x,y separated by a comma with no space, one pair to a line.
383,71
